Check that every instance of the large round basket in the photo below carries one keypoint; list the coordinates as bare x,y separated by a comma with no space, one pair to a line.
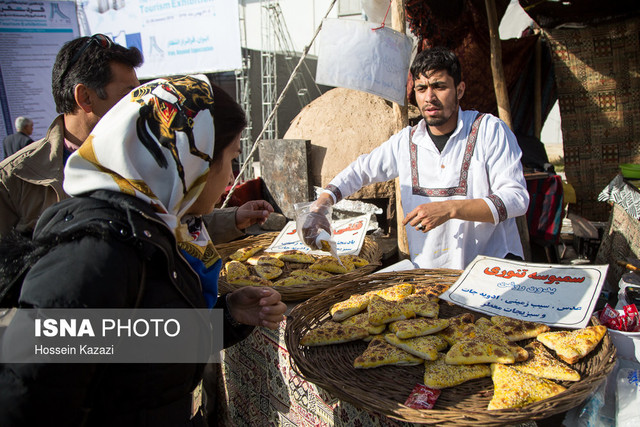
385,389
370,251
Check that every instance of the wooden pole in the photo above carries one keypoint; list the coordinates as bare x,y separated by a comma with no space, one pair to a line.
504,107
537,89
401,114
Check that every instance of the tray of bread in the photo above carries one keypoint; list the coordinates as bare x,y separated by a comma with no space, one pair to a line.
296,275
370,341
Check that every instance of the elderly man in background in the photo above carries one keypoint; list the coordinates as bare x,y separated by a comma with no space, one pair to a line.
20,139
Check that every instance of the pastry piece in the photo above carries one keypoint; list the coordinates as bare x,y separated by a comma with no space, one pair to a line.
572,346
244,254
515,389
268,272
362,320
542,364
356,260
491,332
380,353
347,308
438,374
433,290
294,280
456,327
313,274
382,311
478,350
333,333
295,256
250,281
417,327
393,293
331,265
426,347
235,269
517,330
421,305
265,260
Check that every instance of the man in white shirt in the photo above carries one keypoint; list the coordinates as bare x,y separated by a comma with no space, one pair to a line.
460,174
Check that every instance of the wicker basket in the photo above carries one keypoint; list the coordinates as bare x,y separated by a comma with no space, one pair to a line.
385,389
370,251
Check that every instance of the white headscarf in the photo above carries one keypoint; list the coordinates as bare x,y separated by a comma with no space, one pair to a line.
142,147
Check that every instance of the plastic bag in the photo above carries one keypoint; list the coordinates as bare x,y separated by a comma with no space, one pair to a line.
628,397
313,223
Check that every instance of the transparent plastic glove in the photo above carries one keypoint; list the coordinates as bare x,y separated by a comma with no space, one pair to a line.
313,221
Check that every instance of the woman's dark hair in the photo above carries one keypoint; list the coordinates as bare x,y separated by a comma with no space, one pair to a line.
436,59
92,68
229,119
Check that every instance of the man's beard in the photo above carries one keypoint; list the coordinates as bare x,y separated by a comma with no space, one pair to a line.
439,121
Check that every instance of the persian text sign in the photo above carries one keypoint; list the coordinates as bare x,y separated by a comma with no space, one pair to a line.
348,234
557,295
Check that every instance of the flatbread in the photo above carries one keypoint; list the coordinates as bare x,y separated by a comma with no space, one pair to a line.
314,274
294,280
417,327
333,333
235,269
572,346
268,272
393,293
421,305
265,260
250,281
433,290
244,254
542,364
380,353
347,308
331,265
426,347
492,332
356,260
515,389
382,311
456,327
438,374
295,256
362,320
478,350
517,330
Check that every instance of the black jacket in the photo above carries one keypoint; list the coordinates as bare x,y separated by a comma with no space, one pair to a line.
102,269
15,142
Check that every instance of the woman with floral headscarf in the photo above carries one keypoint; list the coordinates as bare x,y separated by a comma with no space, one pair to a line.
147,173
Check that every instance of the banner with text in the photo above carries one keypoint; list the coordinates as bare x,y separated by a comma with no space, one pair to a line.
557,295
31,34
175,37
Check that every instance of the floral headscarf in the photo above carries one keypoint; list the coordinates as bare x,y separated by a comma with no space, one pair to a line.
156,144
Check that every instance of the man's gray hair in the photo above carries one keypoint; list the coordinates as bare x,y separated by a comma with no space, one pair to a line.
22,122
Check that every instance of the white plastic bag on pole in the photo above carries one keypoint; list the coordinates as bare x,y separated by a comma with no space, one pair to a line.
353,55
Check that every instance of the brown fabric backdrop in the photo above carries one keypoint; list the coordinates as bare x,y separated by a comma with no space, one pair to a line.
599,95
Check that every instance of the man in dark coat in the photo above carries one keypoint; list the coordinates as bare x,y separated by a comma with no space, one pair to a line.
20,139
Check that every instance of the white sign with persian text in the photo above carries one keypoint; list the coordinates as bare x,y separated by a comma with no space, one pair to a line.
557,295
348,234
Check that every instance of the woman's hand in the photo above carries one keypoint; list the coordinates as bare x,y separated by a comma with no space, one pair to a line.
256,306
254,211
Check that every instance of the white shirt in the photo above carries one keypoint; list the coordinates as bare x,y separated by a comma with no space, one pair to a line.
490,170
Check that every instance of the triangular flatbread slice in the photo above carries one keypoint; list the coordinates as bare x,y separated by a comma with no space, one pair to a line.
382,311
417,327
478,350
250,281
331,265
433,290
362,320
421,305
456,327
235,269
268,272
572,346
517,330
515,389
347,308
313,274
438,374
542,364
393,293
380,353
295,256
333,333
355,259
244,254
265,260
426,347
492,332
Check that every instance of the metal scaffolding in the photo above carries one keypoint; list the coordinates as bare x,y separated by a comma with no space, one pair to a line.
243,92
268,68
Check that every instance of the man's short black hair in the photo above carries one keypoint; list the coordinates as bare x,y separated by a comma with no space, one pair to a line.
92,68
437,59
